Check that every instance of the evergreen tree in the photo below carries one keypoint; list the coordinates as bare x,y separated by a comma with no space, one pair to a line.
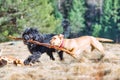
76,16
9,13
58,16
40,13
15,15
110,19
92,16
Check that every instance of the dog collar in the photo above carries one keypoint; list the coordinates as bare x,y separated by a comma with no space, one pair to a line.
61,45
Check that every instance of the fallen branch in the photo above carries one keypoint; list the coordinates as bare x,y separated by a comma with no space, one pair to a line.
51,46
15,38
46,45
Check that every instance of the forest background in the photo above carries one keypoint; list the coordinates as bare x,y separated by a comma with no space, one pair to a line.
99,18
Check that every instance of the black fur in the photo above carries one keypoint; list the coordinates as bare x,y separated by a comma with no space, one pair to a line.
37,50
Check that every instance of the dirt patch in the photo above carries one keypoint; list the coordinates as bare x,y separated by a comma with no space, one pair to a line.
69,69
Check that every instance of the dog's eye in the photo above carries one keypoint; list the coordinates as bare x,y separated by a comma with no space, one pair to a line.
54,38
26,37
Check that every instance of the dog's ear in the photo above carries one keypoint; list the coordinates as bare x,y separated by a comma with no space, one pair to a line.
61,36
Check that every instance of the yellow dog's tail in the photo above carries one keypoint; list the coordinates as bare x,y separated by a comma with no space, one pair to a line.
104,40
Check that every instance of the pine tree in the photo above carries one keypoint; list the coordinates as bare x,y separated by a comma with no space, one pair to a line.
40,13
76,16
9,13
15,15
58,16
110,19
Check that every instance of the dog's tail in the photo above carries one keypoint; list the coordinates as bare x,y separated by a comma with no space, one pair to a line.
104,40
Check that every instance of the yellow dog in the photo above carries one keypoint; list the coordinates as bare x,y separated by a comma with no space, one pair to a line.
80,44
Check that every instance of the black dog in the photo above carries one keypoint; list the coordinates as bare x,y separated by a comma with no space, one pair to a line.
37,50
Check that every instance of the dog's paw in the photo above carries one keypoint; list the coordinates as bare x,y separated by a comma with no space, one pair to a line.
29,62
52,58
26,62
101,57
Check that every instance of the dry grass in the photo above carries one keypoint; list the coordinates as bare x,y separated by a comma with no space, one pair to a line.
69,69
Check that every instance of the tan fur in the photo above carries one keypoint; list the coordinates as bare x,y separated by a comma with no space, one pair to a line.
80,44
104,40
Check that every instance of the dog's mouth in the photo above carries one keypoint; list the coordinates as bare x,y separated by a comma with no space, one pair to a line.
51,42
26,38
54,43
29,44
26,42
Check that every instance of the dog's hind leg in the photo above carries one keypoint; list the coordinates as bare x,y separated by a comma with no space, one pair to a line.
97,45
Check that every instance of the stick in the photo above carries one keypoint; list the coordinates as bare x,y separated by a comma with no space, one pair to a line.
46,45
15,38
55,47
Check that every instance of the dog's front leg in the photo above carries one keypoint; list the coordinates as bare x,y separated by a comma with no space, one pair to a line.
60,53
73,53
50,55
33,58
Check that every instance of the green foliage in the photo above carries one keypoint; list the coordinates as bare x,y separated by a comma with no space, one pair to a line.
96,30
56,12
76,16
39,13
18,14
110,19
58,16
8,18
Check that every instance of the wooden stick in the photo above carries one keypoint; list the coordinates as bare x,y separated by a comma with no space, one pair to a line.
15,38
51,46
46,45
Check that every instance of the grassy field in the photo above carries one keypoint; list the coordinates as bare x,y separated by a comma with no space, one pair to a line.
69,69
